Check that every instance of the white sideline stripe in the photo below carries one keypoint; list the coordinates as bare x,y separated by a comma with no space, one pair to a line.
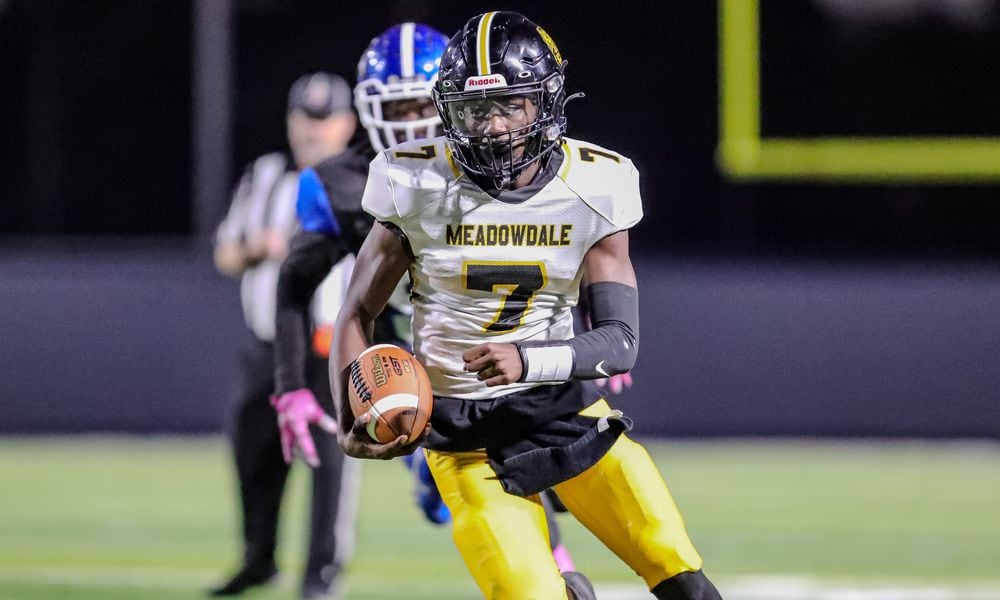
346,522
775,587
388,403
102,576
779,587
197,579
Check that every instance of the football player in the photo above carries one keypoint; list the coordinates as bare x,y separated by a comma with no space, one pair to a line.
496,222
393,100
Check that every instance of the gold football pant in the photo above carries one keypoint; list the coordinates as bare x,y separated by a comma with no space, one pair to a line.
503,538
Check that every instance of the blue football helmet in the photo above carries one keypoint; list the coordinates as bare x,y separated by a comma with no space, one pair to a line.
400,64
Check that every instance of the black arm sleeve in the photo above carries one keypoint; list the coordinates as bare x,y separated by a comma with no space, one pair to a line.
310,257
611,345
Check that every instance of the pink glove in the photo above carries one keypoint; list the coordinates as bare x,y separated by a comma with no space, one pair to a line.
616,383
297,410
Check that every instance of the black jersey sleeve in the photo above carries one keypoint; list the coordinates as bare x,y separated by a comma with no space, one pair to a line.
343,178
310,258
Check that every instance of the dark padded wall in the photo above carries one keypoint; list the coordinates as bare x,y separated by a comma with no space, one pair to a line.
140,337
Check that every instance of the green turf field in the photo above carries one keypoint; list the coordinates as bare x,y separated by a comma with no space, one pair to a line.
154,518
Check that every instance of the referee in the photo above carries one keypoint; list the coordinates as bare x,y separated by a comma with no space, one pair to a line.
250,244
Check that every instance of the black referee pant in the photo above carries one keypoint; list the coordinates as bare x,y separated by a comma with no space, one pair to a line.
262,471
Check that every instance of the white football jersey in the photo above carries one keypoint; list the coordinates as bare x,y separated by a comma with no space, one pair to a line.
490,270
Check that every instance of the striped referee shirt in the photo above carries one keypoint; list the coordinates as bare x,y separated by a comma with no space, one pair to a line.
264,200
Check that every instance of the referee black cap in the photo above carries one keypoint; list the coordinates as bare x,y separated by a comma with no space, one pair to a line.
320,95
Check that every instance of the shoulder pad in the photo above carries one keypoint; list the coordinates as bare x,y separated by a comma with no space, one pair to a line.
430,153
313,205
403,177
606,180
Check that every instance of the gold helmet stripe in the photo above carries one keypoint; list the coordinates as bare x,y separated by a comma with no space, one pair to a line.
483,39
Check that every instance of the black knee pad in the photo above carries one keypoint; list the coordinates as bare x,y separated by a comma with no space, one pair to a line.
686,586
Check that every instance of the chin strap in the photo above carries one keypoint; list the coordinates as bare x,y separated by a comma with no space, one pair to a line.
573,96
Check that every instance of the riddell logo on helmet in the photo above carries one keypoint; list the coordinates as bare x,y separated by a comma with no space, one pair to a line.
485,82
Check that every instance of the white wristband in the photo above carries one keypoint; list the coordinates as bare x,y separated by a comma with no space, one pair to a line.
548,363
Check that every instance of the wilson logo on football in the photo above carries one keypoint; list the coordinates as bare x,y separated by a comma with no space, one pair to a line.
485,82
378,371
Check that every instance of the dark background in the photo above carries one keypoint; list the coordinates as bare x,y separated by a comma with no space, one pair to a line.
767,308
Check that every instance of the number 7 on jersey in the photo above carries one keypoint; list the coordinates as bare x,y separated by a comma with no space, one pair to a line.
516,282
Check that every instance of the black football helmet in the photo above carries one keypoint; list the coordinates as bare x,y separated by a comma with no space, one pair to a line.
500,95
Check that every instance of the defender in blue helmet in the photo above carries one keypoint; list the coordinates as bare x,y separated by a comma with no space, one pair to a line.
395,77
394,103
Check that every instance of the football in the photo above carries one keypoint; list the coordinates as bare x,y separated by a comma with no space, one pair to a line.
388,383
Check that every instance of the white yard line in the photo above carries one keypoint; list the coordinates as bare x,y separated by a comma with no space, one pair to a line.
108,576
771,587
780,587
